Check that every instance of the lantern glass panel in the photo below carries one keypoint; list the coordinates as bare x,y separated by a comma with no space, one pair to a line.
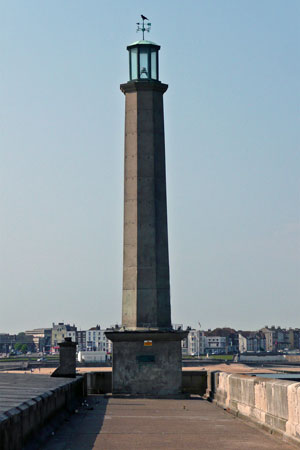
153,65
144,66
134,64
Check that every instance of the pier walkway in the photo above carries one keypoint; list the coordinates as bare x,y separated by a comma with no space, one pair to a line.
142,424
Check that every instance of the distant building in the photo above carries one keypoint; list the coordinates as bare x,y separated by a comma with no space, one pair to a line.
221,340
196,342
233,343
278,338
22,338
72,333
97,341
7,342
45,342
215,345
41,338
59,333
218,341
270,338
81,340
294,339
185,347
251,341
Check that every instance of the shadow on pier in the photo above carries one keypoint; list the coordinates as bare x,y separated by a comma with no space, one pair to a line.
142,424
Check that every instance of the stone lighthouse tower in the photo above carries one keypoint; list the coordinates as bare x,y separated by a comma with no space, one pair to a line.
146,350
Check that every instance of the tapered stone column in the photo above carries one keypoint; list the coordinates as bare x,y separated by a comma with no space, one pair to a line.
146,286
146,351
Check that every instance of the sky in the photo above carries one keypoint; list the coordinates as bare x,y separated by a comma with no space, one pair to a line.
232,152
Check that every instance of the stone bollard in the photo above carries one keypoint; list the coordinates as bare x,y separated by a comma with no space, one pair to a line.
67,359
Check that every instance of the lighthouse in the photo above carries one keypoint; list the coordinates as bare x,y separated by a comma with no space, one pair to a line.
146,350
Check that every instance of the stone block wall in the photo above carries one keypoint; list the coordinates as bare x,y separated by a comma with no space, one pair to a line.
193,382
98,382
274,404
24,422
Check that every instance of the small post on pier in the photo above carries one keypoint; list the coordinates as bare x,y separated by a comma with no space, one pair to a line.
67,359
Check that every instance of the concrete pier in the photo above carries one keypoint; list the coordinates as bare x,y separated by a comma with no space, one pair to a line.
148,424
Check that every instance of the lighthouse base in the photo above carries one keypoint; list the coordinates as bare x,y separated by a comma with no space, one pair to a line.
147,362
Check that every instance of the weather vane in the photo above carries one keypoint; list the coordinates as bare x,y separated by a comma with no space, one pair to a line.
142,26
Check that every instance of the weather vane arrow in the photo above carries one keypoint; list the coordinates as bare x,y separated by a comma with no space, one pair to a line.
142,26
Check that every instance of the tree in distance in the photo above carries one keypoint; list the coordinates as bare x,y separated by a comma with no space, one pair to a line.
23,348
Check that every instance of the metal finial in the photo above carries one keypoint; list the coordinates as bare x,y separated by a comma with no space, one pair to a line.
142,26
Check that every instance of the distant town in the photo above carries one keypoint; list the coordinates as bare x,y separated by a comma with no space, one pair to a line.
220,341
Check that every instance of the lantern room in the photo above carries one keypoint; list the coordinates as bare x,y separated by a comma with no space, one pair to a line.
143,61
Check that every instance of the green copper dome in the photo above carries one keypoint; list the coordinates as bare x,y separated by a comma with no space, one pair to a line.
143,43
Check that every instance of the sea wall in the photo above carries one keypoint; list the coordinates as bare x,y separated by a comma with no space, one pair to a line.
273,404
262,358
30,415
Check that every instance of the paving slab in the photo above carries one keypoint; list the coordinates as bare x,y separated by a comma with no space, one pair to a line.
144,424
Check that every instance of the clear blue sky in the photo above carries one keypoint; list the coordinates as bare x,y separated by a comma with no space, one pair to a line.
232,148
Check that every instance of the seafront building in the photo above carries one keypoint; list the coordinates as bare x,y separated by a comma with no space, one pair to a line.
197,342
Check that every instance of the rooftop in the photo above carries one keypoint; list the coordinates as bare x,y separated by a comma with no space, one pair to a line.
143,43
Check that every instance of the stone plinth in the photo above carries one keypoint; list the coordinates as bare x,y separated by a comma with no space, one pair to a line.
147,362
67,359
